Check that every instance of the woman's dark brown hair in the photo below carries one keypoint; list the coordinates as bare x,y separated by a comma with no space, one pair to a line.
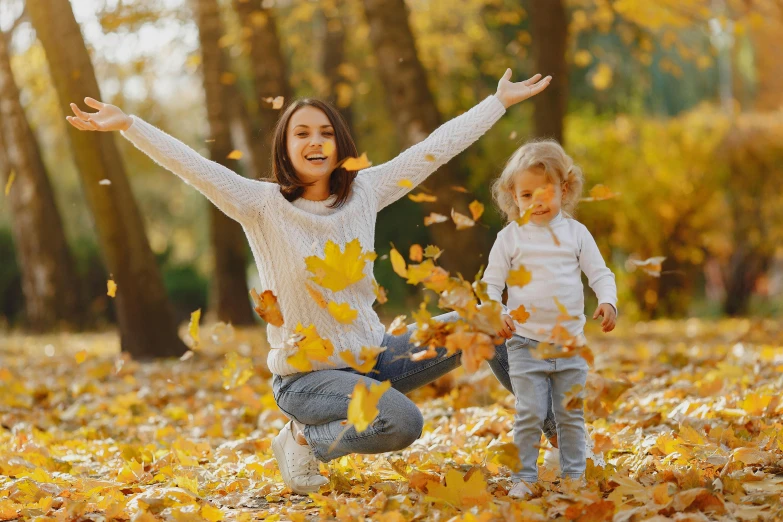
282,168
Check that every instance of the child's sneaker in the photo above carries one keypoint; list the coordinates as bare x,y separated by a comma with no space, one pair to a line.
521,490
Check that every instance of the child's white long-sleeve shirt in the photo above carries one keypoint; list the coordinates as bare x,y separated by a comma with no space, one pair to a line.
556,272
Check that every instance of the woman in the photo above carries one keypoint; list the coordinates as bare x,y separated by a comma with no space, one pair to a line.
313,201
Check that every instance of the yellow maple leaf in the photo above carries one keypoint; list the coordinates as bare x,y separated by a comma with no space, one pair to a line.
328,148
405,183
461,491
356,163
363,408
434,218
111,288
211,513
310,347
195,317
416,253
131,472
398,263
316,295
475,347
461,220
520,315
235,155
432,252
342,312
421,197
519,276
368,354
476,209
421,272
339,269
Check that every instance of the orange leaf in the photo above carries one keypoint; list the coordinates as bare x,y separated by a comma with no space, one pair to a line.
397,326
235,155
380,292
475,347
369,354
416,253
476,209
328,148
267,307
359,163
520,315
519,276
422,197
434,218
316,295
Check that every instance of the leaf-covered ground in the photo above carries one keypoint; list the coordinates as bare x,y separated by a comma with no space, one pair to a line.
687,416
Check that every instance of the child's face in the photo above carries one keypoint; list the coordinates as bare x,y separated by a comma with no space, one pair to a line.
525,183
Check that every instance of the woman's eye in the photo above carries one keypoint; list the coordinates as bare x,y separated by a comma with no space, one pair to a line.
302,134
328,134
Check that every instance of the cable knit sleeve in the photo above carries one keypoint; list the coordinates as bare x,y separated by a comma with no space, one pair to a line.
424,158
235,195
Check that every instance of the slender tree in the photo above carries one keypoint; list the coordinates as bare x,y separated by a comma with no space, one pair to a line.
333,37
229,291
145,316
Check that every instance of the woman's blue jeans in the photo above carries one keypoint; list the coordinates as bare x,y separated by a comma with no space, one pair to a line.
319,399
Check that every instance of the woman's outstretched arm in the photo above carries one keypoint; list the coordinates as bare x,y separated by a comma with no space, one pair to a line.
419,161
233,194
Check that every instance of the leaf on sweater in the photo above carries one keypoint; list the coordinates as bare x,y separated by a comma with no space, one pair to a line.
363,408
368,354
416,253
422,197
353,164
235,155
339,269
111,288
432,252
398,263
476,209
328,148
380,292
316,295
461,220
475,347
434,218
309,347
267,307
397,326
429,157
520,315
461,491
519,276
599,193
405,183
193,331
342,312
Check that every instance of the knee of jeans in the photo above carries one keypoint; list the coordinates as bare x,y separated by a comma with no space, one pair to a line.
403,431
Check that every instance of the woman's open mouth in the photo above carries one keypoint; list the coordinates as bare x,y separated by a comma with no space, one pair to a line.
316,159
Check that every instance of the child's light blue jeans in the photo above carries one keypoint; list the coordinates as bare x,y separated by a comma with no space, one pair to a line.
319,399
541,384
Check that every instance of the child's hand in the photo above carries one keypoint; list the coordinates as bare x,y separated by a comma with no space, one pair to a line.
508,327
610,316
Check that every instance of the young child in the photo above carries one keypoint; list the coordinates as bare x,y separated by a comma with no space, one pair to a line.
555,267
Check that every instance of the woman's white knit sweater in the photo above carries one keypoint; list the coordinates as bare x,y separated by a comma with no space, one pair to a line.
282,233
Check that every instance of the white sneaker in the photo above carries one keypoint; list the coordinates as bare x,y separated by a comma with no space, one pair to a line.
297,464
552,459
520,490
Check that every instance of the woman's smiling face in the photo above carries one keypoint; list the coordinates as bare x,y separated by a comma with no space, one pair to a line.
308,130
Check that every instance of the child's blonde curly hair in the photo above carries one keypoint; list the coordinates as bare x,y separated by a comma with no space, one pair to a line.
559,167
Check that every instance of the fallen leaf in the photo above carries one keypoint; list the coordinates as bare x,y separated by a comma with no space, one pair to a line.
429,157
651,266
236,371
80,356
432,252
316,295
397,326
475,347
11,178
405,183
461,491
380,292
599,193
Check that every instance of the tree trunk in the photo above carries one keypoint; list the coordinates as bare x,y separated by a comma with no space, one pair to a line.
229,292
549,22
332,56
415,115
145,316
49,278
269,70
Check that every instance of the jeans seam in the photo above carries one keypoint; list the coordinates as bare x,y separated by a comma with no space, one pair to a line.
419,370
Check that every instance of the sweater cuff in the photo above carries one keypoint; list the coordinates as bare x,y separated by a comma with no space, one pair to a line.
134,127
494,106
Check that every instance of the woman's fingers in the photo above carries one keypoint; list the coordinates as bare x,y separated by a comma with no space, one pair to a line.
507,75
79,113
532,80
79,124
540,85
95,104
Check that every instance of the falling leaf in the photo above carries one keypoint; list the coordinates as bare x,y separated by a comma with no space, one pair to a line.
104,182
309,347
11,178
368,354
416,253
342,312
405,183
316,295
328,148
80,356
513,135
187,355
195,317
422,197
380,292
506,455
429,353
363,408
429,157
277,102
267,307
236,371
398,263
111,288
461,491
397,326
520,315
432,252
475,347
339,269
599,193
602,77
235,155
457,188
476,209
651,266
354,164
462,221
434,218
519,276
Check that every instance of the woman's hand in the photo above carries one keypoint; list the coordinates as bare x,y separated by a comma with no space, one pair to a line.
108,118
609,316
508,327
510,92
